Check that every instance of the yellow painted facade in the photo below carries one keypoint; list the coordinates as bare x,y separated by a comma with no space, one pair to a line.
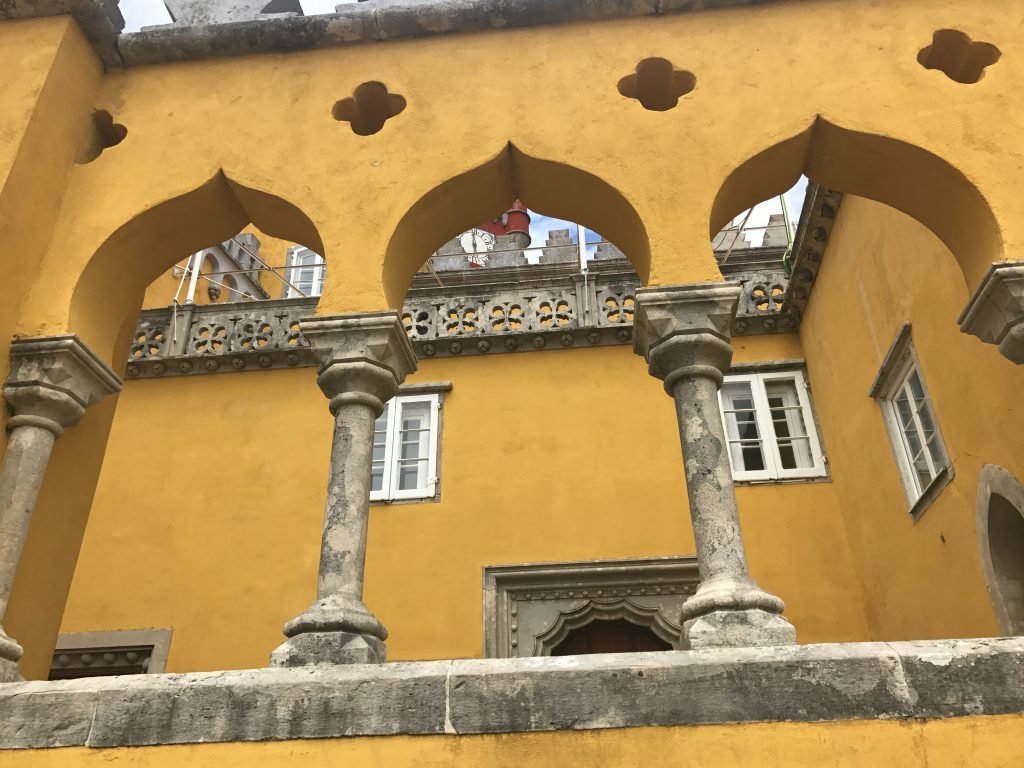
883,269
539,462
993,742
196,503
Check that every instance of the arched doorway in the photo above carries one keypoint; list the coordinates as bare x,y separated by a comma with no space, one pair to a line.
1000,518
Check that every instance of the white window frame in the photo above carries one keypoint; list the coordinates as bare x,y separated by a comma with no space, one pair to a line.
393,410
894,378
319,275
762,413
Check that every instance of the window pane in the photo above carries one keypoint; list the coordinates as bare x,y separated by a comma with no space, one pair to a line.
913,441
788,422
413,451
377,477
741,427
412,476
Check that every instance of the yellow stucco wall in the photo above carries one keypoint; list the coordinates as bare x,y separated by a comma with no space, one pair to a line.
49,78
834,90
352,192
881,269
207,517
974,742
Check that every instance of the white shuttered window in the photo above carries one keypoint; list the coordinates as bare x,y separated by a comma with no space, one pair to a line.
405,443
769,427
306,273
917,443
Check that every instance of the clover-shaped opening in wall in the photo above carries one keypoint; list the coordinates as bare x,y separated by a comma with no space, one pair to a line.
104,134
657,85
961,59
368,108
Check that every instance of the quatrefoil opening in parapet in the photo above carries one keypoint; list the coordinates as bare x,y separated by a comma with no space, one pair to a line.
104,133
368,108
959,58
657,84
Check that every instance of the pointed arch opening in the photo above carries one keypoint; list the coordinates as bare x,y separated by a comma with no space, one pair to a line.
109,292
485,193
887,170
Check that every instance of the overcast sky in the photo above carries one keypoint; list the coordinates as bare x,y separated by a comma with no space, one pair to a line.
144,13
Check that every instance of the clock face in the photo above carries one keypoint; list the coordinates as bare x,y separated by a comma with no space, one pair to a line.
477,241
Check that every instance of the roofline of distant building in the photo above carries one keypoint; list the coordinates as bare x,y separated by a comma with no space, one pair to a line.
364,22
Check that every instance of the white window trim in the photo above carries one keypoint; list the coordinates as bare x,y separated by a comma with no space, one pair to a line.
320,275
388,490
770,448
893,377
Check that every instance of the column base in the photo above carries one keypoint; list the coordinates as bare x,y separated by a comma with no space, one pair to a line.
10,652
334,630
329,648
737,629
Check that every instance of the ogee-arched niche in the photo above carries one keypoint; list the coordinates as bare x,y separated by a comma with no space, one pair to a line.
1000,524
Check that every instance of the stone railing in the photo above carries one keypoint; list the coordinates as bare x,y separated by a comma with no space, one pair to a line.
573,310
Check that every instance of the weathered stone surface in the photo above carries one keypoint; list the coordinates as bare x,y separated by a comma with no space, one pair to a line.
790,683
738,629
45,714
200,12
101,20
984,676
364,359
263,705
683,333
380,20
330,647
51,382
418,18
995,313
669,688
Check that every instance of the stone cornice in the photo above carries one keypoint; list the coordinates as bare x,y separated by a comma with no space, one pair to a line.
799,683
101,20
387,20
62,364
995,313
821,206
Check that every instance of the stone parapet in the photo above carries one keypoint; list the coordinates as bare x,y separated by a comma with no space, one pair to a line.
809,683
384,20
555,312
101,20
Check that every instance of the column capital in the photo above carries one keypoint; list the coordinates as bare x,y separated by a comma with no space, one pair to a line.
995,313
684,330
363,357
53,379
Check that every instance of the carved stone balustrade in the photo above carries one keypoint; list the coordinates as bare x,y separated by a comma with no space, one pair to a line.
477,312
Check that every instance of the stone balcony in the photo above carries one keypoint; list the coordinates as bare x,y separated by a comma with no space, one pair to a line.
474,312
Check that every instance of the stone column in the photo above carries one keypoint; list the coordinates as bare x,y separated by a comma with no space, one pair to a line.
363,360
995,313
51,383
683,332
